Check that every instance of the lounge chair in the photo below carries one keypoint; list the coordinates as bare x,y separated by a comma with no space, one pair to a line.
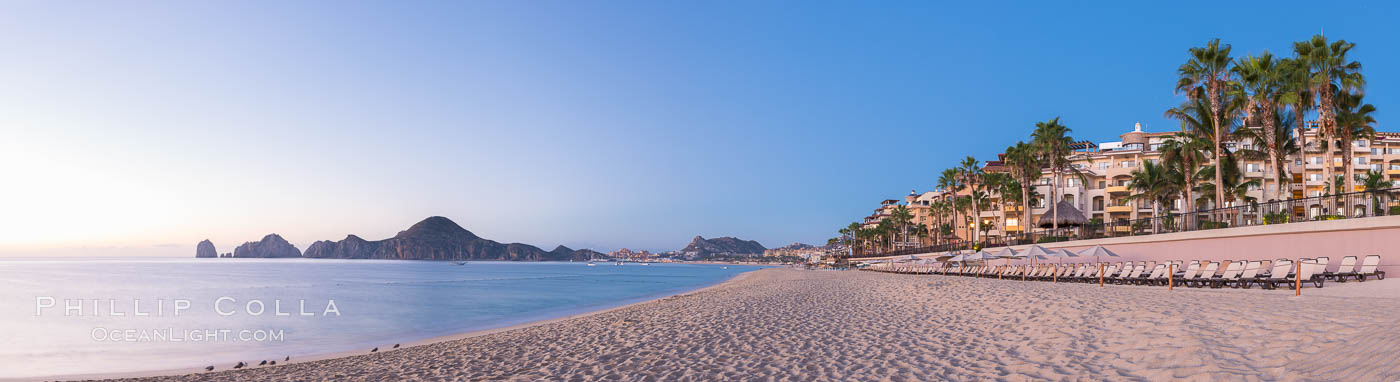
1250,273
1346,269
1207,273
1189,273
1369,267
1277,275
1157,272
1232,273
1129,271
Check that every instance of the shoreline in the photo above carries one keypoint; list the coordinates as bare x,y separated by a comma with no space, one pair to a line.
403,345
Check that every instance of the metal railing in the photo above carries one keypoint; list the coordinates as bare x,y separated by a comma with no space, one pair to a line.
1354,205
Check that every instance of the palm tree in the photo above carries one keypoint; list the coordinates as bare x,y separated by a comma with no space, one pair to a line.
950,182
1297,94
1207,73
902,217
1354,122
1329,73
1052,142
1376,185
1150,184
1272,143
1023,164
972,175
1263,85
1235,187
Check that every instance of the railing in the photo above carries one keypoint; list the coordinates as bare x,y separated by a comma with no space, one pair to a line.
1361,204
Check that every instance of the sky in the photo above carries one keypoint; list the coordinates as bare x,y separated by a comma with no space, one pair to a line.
139,128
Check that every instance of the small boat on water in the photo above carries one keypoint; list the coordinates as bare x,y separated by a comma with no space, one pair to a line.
461,263
591,264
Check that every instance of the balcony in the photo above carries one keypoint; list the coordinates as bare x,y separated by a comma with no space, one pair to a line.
1116,190
1313,166
1393,171
1013,228
1254,174
1118,209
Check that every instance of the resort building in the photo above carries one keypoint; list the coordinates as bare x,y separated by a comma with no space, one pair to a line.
1100,190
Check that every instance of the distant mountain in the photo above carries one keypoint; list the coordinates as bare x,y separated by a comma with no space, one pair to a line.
205,249
438,238
701,247
270,246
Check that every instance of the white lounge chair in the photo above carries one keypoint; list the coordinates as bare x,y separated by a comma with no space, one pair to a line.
1207,273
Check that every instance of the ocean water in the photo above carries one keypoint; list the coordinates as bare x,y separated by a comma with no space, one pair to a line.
79,316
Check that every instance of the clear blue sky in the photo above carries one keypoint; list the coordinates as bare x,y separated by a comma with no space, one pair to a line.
143,127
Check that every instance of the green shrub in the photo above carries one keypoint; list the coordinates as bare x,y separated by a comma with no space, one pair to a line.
1051,239
1395,210
1278,218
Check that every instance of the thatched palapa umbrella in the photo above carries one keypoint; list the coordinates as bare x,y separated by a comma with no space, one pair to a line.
1069,216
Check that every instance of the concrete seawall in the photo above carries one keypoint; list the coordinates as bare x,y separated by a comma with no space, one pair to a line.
1332,239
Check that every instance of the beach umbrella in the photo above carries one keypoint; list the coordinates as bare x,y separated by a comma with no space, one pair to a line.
1062,254
1036,252
1097,251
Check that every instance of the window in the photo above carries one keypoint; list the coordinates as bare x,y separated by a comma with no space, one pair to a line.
1359,143
1103,165
1252,167
1297,162
1360,160
1156,147
1394,151
1101,184
1315,177
1395,167
1127,164
1376,167
1315,160
1044,181
1072,182
1376,151
1012,222
1253,187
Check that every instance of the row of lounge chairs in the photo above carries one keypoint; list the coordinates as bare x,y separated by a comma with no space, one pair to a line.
1197,274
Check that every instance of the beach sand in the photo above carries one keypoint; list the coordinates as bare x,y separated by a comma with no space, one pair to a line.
794,325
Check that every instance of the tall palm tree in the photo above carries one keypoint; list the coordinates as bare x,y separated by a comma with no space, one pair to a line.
1273,143
1354,122
972,176
1024,165
950,182
1330,73
1207,73
1052,144
1297,94
1262,83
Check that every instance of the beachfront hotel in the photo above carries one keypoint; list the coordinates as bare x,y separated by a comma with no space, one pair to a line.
1102,194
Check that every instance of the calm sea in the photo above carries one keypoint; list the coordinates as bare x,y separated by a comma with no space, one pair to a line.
76,316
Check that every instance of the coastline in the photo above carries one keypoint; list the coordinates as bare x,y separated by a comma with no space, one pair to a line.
403,345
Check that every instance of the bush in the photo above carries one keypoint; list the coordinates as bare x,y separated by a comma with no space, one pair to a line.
1278,218
1328,217
1051,239
1207,224
1395,210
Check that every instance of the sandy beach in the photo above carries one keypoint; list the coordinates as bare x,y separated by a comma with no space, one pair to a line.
794,325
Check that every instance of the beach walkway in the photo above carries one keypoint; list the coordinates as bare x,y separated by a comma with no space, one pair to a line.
794,325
